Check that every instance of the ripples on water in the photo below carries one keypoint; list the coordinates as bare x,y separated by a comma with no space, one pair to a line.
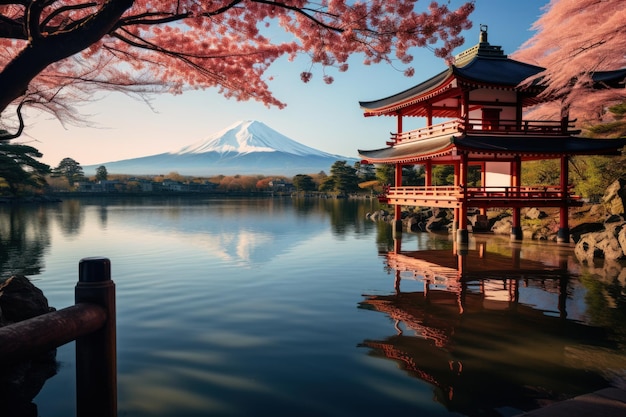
254,307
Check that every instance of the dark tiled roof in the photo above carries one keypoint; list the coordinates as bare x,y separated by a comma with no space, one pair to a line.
484,63
570,145
488,70
555,145
427,85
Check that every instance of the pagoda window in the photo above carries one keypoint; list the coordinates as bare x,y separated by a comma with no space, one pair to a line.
491,119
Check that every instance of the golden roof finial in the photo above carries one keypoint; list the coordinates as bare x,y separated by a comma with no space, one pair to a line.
483,34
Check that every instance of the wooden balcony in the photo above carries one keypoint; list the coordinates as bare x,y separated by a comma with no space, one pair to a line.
478,126
481,197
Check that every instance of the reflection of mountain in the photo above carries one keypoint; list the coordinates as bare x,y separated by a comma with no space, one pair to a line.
241,246
24,237
475,332
243,231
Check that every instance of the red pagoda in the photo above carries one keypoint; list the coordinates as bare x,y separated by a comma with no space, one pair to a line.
481,101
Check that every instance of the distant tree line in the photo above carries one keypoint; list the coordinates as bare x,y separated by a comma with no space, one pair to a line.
343,179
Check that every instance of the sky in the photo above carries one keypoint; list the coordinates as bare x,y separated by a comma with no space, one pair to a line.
324,117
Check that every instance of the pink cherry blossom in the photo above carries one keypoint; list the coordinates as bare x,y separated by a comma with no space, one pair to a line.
573,39
58,53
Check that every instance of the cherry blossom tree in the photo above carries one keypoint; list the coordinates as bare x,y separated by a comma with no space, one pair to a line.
573,40
55,53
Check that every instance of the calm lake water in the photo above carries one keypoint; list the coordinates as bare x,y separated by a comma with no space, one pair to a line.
259,307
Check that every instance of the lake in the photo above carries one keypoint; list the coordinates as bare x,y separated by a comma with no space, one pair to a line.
303,307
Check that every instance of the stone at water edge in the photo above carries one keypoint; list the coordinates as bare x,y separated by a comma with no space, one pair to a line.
21,300
20,382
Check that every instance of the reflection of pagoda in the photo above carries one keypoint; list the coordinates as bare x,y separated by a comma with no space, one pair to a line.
468,334
481,103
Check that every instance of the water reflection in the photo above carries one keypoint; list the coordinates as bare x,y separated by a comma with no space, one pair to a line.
488,326
231,299
244,231
24,237
70,217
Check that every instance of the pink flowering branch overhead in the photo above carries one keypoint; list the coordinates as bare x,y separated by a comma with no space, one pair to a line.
59,52
574,39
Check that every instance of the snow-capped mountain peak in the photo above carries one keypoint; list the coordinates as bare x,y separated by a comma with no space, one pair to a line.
248,136
245,148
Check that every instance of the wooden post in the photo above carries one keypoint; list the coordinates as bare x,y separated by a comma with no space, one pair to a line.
398,208
516,228
460,180
563,235
96,362
516,180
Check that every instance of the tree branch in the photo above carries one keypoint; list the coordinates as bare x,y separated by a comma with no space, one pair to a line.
33,13
5,136
18,73
303,11
64,9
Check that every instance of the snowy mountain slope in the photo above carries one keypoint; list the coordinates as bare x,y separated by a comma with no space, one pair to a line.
247,137
246,148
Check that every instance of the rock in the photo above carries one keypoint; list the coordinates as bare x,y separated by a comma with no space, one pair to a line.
604,244
412,224
597,211
614,218
621,238
436,224
377,215
535,214
21,381
614,199
21,300
541,233
502,226
610,247
577,231
479,222
586,250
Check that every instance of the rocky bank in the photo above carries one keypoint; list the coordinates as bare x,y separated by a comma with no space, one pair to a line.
21,381
597,230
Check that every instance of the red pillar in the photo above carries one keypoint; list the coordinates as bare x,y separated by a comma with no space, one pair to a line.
460,180
428,173
516,180
563,233
398,208
483,184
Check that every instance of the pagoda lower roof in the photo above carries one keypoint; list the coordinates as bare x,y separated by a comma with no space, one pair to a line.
420,150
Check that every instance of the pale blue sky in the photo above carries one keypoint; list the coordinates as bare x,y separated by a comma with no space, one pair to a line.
325,117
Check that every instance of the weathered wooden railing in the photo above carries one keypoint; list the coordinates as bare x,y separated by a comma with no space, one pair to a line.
538,191
496,127
91,322
449,194
523,127
425,132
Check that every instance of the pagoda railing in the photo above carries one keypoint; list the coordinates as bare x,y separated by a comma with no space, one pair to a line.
496,127
445,196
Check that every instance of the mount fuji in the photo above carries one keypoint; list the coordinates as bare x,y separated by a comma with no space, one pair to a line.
246,148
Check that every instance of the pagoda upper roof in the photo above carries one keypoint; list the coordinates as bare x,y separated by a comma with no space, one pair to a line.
530,146
483,64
